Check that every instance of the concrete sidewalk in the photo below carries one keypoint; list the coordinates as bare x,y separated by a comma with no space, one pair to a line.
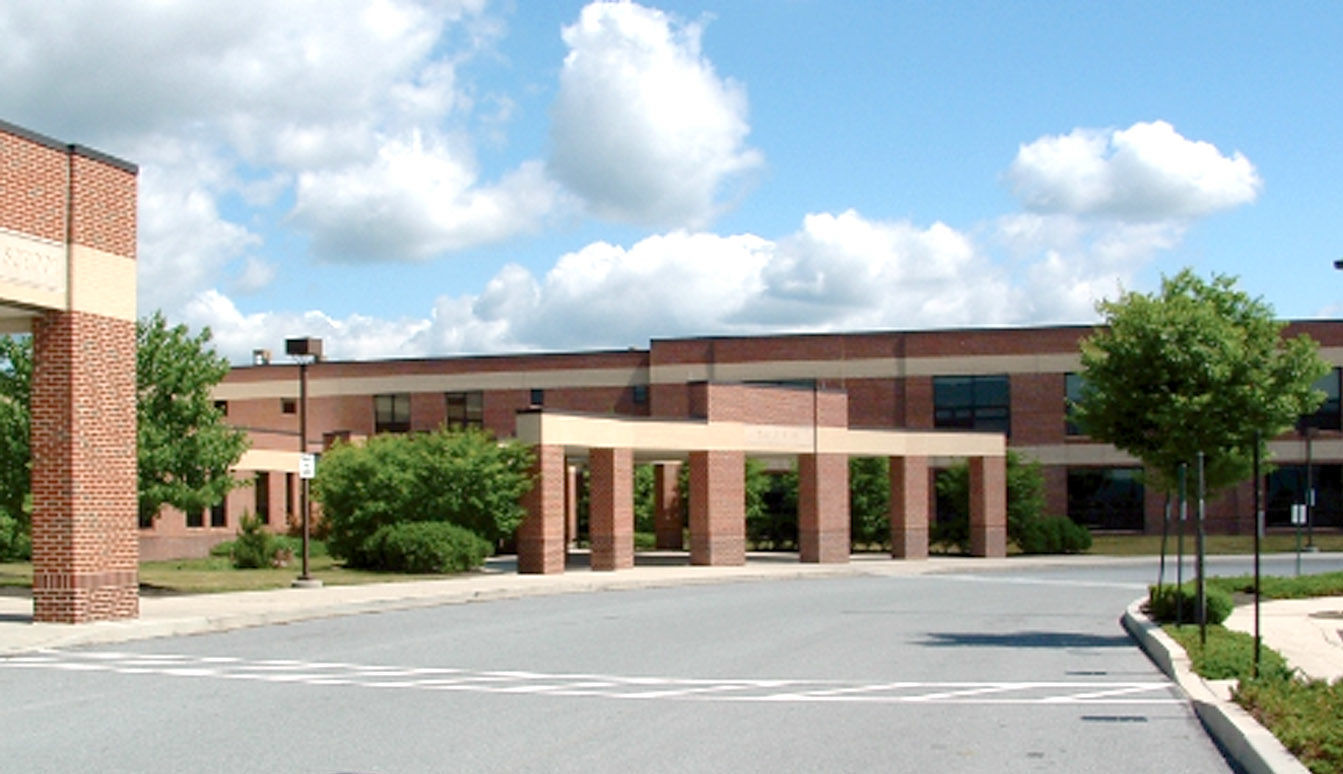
1307,632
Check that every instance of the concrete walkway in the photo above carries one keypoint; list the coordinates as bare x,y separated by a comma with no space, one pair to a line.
1307,632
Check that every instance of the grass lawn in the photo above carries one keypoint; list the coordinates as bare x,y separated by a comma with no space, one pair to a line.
215,574
1145,545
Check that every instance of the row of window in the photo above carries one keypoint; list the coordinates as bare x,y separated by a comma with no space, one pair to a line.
984,403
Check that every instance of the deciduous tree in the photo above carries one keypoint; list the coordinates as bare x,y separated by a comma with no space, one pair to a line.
1197,366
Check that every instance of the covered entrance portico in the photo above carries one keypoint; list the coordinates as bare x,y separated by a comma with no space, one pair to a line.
67,276
734,422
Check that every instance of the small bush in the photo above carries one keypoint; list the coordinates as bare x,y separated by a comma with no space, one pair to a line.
223,549
1165,605
424,547
255,547
1053,535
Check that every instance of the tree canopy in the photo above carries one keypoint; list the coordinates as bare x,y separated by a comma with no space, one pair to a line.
185,447
1197,366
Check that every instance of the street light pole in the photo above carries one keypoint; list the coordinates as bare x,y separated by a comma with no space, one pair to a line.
306,350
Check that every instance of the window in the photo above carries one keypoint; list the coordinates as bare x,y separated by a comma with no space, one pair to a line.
222,406
196,519
466,410
972,402
219,513
1106,498
262,487
391,413
538,397
640,394
288,406
1072,389
1328,416
1286,486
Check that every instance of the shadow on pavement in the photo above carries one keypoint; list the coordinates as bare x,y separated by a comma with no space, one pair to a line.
1027,640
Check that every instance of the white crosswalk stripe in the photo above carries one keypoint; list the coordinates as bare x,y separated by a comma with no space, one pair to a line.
318,673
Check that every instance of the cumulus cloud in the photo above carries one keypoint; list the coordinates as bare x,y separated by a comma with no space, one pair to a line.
414,201
353,110
643,128
356,337
1147,172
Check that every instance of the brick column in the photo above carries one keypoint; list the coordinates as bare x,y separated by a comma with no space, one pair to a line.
988,506
85,537
823,508
573,479
717,508
541,536
667,519
611,508
909,507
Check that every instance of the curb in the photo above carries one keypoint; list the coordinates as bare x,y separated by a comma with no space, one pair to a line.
1251,746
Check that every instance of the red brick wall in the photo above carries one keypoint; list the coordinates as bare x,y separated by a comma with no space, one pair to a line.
85,541
611,499
717,508
32,187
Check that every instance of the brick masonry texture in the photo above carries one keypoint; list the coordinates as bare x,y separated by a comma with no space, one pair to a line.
823,508
717,508
668,520
909,507
541,536
85,535
988,506
611,507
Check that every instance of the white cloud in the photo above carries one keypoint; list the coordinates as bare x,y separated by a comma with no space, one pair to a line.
1147,172
414,201
356,337
256,275
643,128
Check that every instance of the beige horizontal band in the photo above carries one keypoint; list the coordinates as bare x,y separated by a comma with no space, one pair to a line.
393,383
652,438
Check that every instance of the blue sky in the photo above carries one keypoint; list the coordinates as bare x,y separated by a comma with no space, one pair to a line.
409,179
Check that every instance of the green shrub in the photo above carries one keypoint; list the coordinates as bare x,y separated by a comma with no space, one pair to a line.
222,549
1303,714
461,477
869,502
424,547
15,543
1228,654
255,546
1164,606
1053,535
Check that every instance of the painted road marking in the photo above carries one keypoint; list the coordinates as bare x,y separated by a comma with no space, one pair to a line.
504,682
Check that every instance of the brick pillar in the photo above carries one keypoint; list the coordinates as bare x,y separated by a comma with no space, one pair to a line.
85,535
667,520
909,507
541,536
988,506
718,508
611,508
823,508
573,479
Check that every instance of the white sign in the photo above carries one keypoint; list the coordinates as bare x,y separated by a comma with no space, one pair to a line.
307,465
1298,513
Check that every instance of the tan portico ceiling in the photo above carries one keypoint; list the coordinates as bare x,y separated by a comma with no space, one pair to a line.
659,439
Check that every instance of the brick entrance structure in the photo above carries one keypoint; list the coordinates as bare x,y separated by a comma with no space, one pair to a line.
67,275
735,421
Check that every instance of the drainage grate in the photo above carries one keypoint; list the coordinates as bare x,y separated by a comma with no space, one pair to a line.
1115,718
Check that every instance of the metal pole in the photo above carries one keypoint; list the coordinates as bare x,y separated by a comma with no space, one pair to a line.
1258,536
1179,552
1165,533
1202,587
303,449
1310,492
